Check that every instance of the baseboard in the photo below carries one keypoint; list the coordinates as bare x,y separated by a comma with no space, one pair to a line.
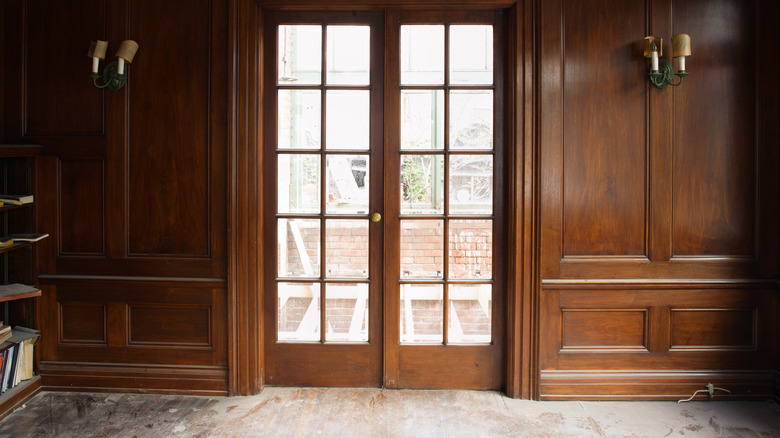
655,385
135,378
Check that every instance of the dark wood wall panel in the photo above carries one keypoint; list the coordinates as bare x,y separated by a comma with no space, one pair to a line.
603,328
168,158
691,331
82,323
657,202
60,97
169,325
146,322
714,143
714,329
82,205
604,129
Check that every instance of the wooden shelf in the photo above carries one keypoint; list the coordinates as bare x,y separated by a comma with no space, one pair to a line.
18,150
10,296
15,246
18,395
7,207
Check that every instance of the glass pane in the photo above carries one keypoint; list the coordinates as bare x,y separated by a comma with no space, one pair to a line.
422,248
422,184
346,312
298,247
298,183
299,119
471,249
471,54
346,249
471,184
348,55
422,54
346,119
298,312
347,179
471,119
422,313
300,54
422,119
470,315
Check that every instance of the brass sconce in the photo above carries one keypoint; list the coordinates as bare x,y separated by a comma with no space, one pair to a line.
115,74
661,71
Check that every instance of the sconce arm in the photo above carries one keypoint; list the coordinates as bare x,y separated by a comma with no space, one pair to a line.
665,74
111,79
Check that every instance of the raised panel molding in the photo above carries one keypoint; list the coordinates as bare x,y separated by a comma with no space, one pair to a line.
603,209
54,42
603,330
82,207
706,329
169,153
161,325
82,323
714,329
714,136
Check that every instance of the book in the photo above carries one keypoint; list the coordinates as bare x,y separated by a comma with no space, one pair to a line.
9,359
5,333
17,199
29,337
15,289
26,237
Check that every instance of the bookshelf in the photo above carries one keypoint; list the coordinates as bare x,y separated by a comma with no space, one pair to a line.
17,262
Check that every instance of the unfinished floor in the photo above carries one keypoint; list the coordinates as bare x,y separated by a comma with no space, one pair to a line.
315,412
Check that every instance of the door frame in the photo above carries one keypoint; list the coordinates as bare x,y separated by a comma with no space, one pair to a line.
246,259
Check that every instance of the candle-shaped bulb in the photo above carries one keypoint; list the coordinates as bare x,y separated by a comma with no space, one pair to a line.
681,47
653,57
97,51
653,49
126,53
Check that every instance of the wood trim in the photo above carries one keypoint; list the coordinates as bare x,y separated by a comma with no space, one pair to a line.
141,378
522,196
653,385
245,259
659,284
358,5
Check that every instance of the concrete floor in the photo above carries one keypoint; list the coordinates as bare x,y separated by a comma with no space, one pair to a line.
315,412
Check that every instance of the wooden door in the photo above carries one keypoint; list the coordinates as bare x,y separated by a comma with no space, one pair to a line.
444,293
382,147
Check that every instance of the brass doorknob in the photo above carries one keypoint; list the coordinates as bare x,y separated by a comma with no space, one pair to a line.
376,217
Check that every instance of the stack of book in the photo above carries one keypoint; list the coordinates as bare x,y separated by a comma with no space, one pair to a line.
16,199
17,356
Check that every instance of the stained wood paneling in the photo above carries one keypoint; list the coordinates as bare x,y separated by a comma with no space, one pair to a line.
168,158
147,321
694,326
604,129
603,328
714,328
82,323
82,203
714,142
59,95
167,325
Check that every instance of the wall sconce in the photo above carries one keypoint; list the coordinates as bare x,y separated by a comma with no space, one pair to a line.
661,71
115,74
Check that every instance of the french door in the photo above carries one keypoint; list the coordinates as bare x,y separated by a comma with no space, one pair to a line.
383,146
